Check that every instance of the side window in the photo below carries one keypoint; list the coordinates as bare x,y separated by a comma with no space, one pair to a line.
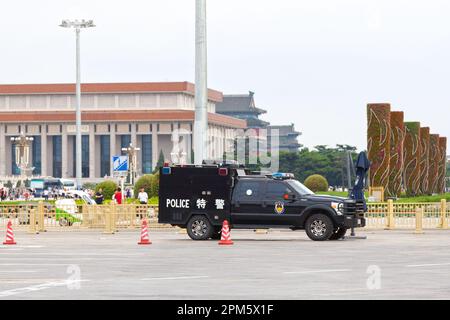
249,190
276,190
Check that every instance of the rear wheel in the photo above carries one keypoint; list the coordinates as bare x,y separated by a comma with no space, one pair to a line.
319,227
199,228
338,234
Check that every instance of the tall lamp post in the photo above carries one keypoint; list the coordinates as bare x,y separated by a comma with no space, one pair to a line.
201,86
78,25
132,158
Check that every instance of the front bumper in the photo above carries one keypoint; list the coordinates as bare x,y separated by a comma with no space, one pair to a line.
352,221
354,214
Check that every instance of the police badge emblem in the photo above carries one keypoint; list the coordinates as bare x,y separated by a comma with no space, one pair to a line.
279,207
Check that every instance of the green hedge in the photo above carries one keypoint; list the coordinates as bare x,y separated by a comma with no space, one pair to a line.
108,187
316,183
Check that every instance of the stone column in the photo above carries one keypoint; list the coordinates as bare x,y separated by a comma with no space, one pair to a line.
92,157
112,145
155,148
133,134
64,153
2,150
44,150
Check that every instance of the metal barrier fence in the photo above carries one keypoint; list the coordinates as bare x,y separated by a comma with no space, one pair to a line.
39,217
390,215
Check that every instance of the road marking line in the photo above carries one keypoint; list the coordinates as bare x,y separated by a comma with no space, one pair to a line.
20,271
427,265
38,287
34,264
175,278
317,271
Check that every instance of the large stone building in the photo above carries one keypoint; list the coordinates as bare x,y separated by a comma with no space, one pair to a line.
243,106
113,116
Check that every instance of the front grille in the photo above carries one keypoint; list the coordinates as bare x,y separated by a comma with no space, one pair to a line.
355,208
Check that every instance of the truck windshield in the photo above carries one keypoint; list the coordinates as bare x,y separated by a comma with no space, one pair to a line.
299,187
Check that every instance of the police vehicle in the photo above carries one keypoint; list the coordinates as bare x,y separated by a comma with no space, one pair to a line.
200,198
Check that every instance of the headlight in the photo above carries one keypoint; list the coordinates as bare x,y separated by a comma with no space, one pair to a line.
338,207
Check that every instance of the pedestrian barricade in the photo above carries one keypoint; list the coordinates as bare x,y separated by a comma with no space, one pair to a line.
36,217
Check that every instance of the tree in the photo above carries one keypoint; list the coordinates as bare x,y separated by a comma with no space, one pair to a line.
89,186
9,184
144,182
155,185
160,163
328,162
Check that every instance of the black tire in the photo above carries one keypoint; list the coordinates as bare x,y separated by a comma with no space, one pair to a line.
217,234
338,234
199,228
319,227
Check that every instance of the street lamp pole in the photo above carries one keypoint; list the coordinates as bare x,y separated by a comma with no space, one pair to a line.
78,25
201,86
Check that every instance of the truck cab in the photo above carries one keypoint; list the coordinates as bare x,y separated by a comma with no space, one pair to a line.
200,198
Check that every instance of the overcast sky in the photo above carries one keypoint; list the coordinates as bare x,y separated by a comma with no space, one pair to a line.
315,63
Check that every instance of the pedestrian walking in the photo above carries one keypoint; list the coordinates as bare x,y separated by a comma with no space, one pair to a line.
99,197
118,196
143,196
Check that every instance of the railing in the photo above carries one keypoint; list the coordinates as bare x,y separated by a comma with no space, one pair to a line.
390,215
39,217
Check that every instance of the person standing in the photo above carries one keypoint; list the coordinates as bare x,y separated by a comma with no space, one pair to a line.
118,196
143,196
99,197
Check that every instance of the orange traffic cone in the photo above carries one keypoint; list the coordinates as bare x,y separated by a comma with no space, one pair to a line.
144,233
9,235
226,235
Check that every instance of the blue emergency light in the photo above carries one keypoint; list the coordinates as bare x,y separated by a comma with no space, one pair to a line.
166,170
282,175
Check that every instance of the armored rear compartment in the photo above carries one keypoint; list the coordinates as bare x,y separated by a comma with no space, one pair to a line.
186,191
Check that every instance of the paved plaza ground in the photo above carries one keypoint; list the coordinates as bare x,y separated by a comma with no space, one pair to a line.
277,265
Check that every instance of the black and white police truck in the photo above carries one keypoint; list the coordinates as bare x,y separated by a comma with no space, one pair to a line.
200,198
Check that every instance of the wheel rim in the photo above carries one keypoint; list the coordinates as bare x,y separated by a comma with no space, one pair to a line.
318,228
199,228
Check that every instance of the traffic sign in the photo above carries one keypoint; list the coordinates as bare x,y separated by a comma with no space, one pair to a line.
120,163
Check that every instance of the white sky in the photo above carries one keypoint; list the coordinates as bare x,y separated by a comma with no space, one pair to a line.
315,63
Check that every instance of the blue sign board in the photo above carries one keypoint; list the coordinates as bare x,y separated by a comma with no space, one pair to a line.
120,163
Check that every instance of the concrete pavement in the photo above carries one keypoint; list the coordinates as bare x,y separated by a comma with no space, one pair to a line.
277,265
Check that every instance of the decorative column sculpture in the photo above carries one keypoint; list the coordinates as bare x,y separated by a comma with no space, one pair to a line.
433,172
424,159
378,143
442,165
412,158
396,164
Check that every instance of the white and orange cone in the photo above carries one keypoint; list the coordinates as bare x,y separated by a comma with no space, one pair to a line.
145,239
9,235
226,234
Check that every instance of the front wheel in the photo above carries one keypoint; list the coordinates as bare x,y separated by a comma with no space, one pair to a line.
199,228
319,227
338,234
